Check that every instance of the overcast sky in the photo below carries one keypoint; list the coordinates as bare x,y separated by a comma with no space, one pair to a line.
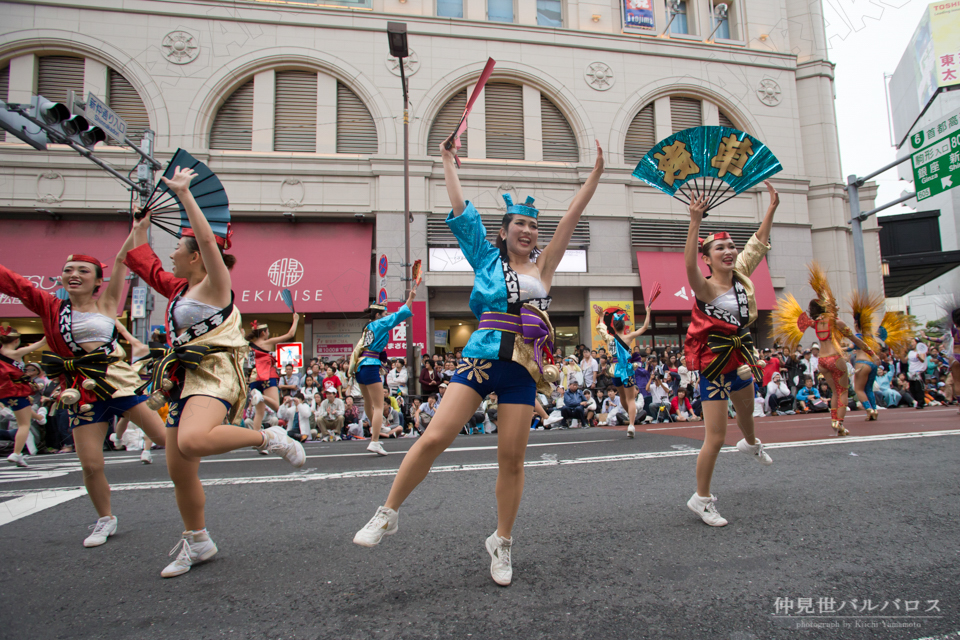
867,39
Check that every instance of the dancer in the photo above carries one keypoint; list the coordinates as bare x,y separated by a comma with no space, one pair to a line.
139,358
719,344
863,306
200,372
16,388
264,391
952,310
98,384
367,358
611,330
510,295
789,323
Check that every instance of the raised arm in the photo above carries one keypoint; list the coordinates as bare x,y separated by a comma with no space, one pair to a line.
451,179
288,335
217,273
109,300
16,286
763,233
691,250
550,258
639,332
137,348
30,348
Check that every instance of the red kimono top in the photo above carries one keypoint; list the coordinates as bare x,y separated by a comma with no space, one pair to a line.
13,381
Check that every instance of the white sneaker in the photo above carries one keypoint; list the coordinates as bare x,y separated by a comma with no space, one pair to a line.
114,439
706,509
383,523
552,420
146,457
194,547
648,420
31,443
574,424
755,450
631,431
501,566
103,529
276,441
17,459
377,448
255,397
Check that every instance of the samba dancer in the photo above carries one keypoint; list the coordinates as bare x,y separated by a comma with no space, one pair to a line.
864,306
367,358
84,353
505,355
200,372
264,390
719,344
611,329
16,388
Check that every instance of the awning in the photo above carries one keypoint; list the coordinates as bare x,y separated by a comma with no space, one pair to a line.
669,270
326,266
38,249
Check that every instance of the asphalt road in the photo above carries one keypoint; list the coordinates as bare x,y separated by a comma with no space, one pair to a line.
604,545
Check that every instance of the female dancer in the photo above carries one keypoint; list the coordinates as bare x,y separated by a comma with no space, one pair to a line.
139,353
85,355
790,321
366,360
611,329
509,295
201,371
719,344
863,306
16,388
263,346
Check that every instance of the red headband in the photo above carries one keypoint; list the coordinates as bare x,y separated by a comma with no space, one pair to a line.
79,257
7,330
223,243
720,235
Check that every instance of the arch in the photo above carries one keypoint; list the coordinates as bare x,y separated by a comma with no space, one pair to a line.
221,85
58,41
506,71
674,86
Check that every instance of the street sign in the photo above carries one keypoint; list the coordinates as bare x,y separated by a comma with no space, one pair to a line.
290,353
98,113
936,157
138,303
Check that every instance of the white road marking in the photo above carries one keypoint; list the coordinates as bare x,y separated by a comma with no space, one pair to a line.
35,502
824,418
309,475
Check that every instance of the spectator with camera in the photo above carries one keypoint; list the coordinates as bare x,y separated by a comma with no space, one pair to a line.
330,415
659,398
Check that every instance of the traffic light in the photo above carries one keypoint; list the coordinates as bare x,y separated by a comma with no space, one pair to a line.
58,117
19,126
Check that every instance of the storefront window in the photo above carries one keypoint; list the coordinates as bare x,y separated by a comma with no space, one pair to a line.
567,332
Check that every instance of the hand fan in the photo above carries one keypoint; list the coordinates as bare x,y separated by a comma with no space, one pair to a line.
454,140
287,299
417,273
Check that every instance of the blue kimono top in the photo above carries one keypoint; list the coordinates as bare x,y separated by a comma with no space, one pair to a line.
496,286
624,369
377,333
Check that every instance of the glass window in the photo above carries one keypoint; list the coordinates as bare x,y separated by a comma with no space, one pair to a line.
500,10
720,20
450,8
678,11
549,13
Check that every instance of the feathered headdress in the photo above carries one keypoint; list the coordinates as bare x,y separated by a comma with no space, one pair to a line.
895,331
820,285
789,321
864,306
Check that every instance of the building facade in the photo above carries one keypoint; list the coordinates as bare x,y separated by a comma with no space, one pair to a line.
297,107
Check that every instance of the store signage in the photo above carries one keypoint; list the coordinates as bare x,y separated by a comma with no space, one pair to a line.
397,345
638,15
936,159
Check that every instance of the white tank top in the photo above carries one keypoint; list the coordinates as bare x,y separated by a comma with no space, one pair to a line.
727,301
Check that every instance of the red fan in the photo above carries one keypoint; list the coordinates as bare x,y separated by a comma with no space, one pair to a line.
454,140
417,273
655,294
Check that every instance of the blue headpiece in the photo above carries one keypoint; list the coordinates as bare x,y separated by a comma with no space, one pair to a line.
525,209
619,316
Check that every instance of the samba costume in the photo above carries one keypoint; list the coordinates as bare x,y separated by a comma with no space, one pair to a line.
863,307
511,350
719,343
205,346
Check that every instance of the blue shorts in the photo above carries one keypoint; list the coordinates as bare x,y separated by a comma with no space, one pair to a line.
261,385
630,382
103,410
369,374
15,404
176,406
509,380
722,387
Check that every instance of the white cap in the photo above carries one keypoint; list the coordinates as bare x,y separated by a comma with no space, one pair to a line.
814,346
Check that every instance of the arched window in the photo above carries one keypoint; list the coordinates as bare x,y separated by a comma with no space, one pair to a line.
56,75
504,106
356,130
685,113
446,123
725,121
123,98
559,143
233,125
4,92
641,135
295,112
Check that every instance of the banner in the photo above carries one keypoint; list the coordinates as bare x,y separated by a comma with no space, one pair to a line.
598,308
638,15
397,344
335,338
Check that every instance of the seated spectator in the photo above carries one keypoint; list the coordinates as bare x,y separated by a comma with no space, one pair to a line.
573,405
330,415
902,385
449,369
680,408
310,390
425,413
603,379
612,411
331,379
397,377
290,382
295,414
590,408
659,398
392,425
430,378
351,413
809,399
778,399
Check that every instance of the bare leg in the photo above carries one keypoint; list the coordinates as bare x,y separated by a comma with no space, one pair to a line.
23,428
202,432
373,399
149,421
271,397
743,403
540,411
628,398
185,473
258,413
843,397
89,442
860,376
121,428
511,449
459,403
715,423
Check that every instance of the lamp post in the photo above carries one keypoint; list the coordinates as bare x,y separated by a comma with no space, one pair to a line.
397,36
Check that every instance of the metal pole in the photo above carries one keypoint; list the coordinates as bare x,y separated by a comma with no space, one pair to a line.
145,176
853,192
407,268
